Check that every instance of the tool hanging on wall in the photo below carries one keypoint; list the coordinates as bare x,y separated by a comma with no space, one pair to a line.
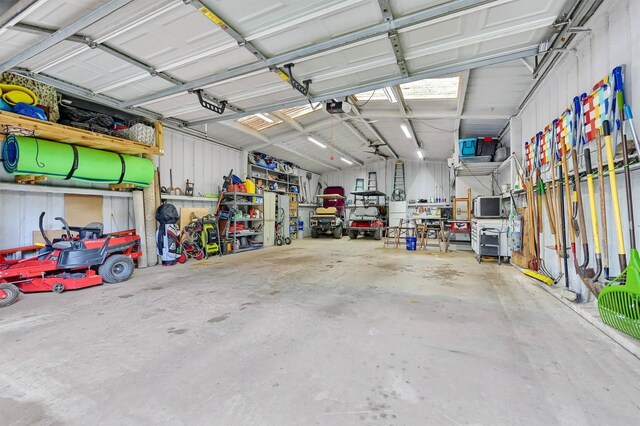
619,89
594,215
188,189
564,167
619,301
577,142
622,256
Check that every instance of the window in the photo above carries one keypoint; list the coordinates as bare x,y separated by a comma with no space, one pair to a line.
258,123
432,88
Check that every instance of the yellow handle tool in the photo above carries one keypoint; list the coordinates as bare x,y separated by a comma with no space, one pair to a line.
622,257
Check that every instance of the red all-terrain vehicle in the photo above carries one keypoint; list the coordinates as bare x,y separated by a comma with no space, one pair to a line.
71,262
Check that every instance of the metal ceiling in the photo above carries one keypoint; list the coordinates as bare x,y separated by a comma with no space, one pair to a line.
148,56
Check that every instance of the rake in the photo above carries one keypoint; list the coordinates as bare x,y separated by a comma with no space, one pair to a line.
619,300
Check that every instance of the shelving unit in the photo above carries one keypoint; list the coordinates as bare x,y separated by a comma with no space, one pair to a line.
284,180
242,205
66,134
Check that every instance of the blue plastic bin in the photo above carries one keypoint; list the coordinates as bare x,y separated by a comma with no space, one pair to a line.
468,147
412,243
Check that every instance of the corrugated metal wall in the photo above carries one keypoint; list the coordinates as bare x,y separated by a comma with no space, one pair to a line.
614,40
423,178
201,162
189,157
20,211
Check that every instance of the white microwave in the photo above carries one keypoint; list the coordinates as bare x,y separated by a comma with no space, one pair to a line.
487,207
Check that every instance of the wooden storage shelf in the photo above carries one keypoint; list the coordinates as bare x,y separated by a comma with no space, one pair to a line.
66,134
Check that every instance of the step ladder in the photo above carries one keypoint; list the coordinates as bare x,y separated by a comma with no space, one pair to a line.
466,200
399,190
372,183
359,185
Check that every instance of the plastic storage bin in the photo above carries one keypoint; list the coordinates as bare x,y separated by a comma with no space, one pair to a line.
467,147
486,146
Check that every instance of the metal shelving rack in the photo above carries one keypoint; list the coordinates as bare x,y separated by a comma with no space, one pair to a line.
242,201
288,180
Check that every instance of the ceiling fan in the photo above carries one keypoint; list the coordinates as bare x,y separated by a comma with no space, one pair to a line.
376,151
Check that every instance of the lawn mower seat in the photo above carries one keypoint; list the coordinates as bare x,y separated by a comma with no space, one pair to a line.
326,211
62,245
365,213
92,231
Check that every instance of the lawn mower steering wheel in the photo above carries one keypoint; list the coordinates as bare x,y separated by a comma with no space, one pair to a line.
44,236
65,225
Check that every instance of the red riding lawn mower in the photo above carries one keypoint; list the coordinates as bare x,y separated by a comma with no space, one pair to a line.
69,263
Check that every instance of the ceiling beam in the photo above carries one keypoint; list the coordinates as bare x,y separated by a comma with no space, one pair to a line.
434,115
455,7
18,11
394,40
406,112
373,130
63,33
462,96
438,71
83,93
92,44
286,148
246,130
294,124
242,42
289,121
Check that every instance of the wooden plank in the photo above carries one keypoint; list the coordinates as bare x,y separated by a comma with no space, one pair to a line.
187,214
66,134
160,136
80,210
121,186
29,179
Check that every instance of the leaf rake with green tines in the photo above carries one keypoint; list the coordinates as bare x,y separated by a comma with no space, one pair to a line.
619,301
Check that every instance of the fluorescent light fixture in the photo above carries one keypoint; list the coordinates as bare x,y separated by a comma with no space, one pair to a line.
317,142
388,91
264,117
346,160
420,155
405,130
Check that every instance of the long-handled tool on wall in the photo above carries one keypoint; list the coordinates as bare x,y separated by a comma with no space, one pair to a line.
619,89
594,215
619,301
577,141
622,256
559,149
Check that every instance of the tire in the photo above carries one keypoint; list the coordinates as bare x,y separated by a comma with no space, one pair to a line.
287,240
116,269
315,233
377,234
337,232
279,241
353,235
9,294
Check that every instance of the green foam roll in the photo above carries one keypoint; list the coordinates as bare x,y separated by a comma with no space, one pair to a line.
24,155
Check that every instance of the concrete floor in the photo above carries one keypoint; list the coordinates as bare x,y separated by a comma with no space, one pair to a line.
322,332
